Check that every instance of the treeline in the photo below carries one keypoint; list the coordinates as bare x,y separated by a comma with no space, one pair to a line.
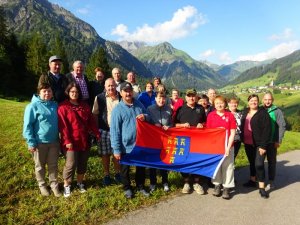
23,61
292,115
288,69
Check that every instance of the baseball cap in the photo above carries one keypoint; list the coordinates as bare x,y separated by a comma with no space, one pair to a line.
191,92
125,86
54,57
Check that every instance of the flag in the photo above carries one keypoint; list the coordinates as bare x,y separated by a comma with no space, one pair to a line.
188,150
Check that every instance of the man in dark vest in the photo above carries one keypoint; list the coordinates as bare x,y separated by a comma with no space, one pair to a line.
57,81
104,103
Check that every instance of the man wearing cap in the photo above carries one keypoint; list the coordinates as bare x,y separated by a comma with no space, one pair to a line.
57,81
104,103
81,80
189,115
123,136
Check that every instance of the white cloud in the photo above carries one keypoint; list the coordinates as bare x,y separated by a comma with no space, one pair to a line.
84,10
120,30
285,35
207,53
183,22
225,58
277,51
217,57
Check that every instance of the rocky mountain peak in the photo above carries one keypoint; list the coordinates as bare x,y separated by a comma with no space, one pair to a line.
131,46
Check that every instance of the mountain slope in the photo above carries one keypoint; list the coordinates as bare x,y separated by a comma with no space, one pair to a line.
26,17
232,71
123,58
287,69
177,68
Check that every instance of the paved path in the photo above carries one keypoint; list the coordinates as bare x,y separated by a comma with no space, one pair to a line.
246,206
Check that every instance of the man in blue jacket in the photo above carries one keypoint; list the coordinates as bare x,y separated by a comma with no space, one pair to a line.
123,136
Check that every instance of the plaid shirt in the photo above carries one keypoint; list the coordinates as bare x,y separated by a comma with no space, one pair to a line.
83,86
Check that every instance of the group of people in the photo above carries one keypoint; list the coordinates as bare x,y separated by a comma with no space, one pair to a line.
69,112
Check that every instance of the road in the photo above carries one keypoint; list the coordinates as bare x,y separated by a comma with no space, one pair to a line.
245,208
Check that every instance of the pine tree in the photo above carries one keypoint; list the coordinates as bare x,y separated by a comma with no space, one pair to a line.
58,48
3,28
5,63
20,80
36,56
13,76
97,59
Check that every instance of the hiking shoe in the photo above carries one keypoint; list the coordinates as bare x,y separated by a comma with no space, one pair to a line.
199,189
250,183
210,184
67,191
44,191
166,187
81,187
263,193
56,192
152,188
118,178
226,194
270,186
128,194
107,180
186,189
217,191
143,192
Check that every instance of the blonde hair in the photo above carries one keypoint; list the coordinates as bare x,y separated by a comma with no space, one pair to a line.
161,88
161,94
221,98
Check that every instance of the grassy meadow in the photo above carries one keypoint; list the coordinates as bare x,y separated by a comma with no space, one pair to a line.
263,80
21,202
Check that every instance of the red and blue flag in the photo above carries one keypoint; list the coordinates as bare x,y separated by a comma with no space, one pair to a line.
188,150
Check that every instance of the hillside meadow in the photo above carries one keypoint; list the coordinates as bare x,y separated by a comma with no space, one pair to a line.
21,202
288,100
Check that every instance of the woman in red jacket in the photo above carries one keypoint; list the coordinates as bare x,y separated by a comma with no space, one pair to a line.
75,122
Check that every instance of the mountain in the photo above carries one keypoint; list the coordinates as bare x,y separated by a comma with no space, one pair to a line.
232,71
27,17
176,68
211,65
131,46
287,70
121,57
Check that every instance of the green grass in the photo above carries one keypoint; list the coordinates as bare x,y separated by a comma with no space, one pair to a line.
296,64
261,81
21,202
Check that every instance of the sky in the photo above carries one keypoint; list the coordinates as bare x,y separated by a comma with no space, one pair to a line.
219,31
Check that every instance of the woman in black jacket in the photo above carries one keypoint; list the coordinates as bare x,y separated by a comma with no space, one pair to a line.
256,133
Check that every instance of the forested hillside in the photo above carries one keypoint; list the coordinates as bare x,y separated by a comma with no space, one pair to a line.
45,29
287,69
